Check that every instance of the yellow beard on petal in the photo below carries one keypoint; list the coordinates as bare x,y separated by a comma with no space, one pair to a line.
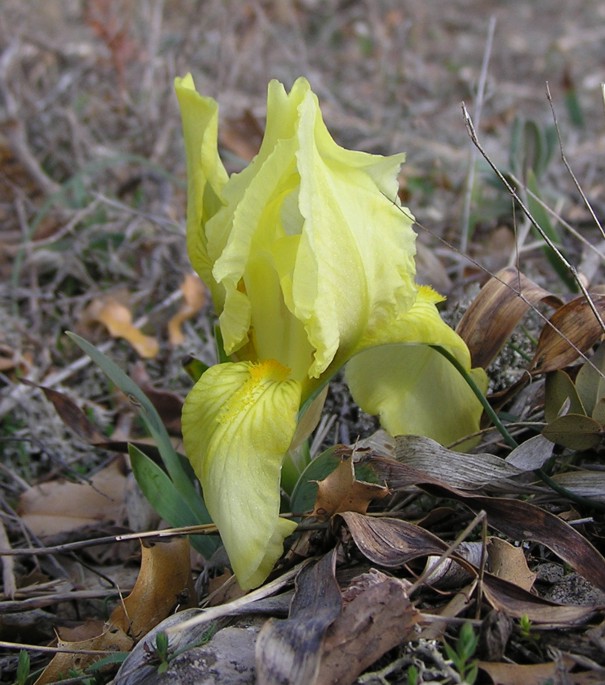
269,370
261,375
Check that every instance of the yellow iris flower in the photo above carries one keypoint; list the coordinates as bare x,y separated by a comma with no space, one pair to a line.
310,261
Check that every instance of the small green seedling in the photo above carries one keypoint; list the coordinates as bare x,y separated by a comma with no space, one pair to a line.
412,675
23,668
161,651
461,656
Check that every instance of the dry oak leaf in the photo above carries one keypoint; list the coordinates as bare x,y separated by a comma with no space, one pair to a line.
112,639
164,584
377,615
332,636
508,562
341,491
531,674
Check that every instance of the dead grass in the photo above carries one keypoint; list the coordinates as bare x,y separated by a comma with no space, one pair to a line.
92,179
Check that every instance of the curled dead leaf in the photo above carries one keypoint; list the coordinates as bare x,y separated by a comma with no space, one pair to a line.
496,311
514,518
117,318
194,299
391,543
458,469
164,584
572,330
341,491
590,484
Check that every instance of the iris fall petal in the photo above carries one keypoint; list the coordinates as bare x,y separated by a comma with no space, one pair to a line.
238,422
413,388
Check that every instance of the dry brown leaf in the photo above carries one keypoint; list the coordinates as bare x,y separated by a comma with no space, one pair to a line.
341,491
528,674
458,469
60,506
290,650
329,637
377,615
391,543
590,484
508,562
448,574
531,454
72,416
112,639
494,634
117,318
194,299
574,323
168,405
164,584
496,311
524,521
517,519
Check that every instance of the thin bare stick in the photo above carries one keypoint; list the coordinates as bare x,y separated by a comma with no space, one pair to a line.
565,224
472,157
8,565
429,570
45,600
53,650
566,163
201,529
572,269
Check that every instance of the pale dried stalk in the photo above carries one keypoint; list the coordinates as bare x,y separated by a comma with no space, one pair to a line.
572,269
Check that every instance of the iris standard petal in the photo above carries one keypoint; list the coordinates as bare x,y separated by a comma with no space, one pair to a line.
255,229
355,264
238,422
205,173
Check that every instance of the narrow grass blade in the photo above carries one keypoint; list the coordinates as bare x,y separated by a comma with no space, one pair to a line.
166,500
181,480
